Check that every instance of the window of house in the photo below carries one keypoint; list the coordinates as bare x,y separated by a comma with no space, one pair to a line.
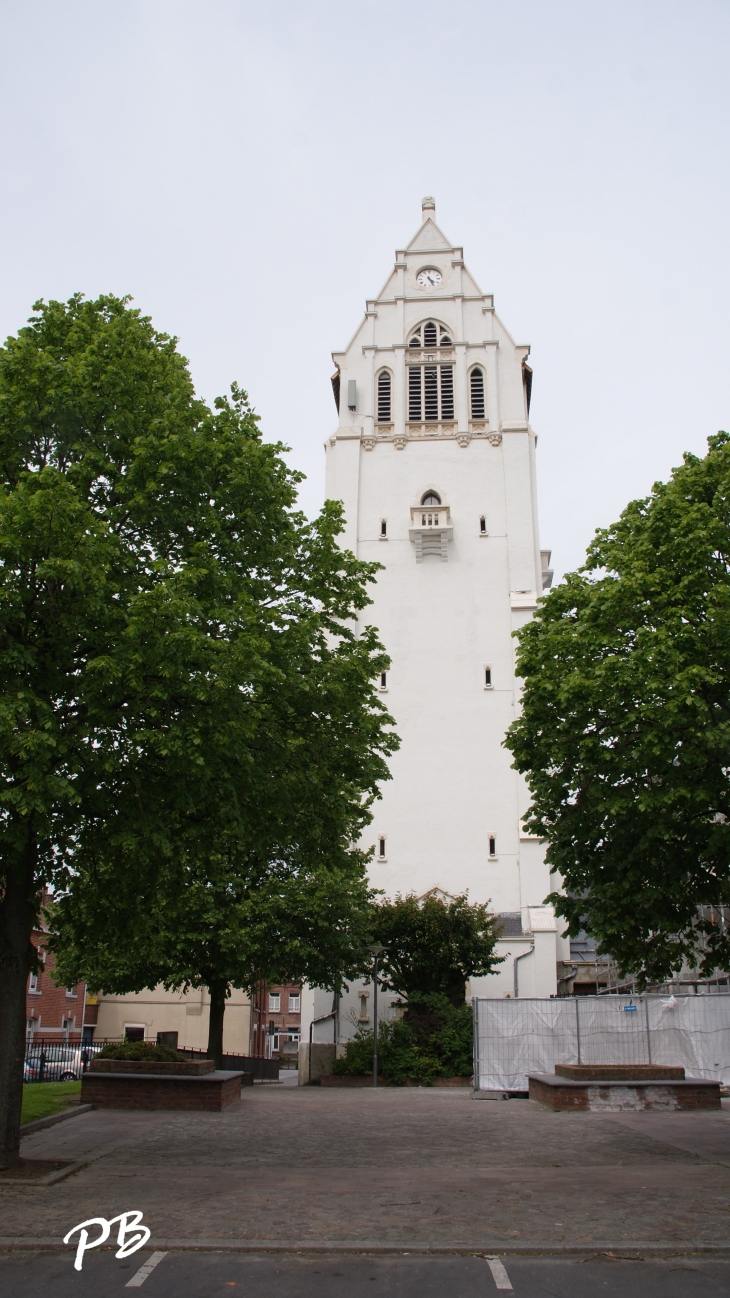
33,987
381,847
431,498
476,391
134,1031
383,528
483,525
492,845
70,992
294,1002
487,678
383,680
384,397
274,1002
30,1026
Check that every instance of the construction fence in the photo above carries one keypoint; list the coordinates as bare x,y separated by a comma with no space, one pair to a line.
513,1038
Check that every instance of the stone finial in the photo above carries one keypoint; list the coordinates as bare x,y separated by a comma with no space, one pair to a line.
428,207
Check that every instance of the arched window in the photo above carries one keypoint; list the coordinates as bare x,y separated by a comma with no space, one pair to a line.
384,397
430,335
431,498
476,389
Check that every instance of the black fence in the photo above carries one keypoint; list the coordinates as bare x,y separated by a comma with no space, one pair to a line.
264,1070
48,1060
57,1061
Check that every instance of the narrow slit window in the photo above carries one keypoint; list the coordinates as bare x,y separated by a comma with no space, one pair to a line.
383,527
430,336
487,678
476,384
492,845
381,848
483,525
384,397
383,680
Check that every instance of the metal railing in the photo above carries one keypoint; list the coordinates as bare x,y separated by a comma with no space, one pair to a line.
49,1060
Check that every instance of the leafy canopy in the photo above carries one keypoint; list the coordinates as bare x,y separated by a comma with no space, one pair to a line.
432,944
188,729
625,730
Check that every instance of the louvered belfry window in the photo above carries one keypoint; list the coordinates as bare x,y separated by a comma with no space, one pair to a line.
476,388
430,387
384,397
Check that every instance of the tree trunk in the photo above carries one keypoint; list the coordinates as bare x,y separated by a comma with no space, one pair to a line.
218,994
17,916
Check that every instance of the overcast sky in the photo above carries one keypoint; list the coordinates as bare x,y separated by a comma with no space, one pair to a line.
246,170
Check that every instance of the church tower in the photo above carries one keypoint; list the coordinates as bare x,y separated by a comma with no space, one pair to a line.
434,461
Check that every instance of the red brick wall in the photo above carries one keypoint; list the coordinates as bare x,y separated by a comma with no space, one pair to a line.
50,1006
262,1016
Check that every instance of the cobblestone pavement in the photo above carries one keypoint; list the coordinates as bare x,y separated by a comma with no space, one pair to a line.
386,1167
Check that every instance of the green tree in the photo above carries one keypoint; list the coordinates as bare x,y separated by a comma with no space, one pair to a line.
437,1041
625,729
433,945
157,593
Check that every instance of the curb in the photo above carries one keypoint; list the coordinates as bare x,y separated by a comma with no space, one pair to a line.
28,1128
530,1248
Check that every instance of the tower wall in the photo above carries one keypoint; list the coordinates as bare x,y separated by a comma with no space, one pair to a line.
446,605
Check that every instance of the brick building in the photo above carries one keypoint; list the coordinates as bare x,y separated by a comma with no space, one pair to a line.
57,1013
276,1020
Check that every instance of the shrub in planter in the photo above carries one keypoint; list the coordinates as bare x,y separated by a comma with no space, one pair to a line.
139,1051
434,1039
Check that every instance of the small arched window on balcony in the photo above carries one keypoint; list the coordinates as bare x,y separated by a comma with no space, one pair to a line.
384,388
428,502
476,391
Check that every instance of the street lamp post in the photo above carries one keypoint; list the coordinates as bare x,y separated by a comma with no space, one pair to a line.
376,950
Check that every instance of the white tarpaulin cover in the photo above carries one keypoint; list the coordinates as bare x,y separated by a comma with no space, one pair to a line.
513,1038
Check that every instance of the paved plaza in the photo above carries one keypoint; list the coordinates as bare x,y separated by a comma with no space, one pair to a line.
304,1168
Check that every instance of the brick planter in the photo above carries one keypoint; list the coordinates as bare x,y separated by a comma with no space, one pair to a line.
154,1067
620,1072
213,1091
563,1094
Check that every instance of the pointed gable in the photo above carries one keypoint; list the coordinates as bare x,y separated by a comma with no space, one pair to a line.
429,239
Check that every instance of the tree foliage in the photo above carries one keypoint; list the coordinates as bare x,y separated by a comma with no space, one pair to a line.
432,945
179,676
437,1041
625,730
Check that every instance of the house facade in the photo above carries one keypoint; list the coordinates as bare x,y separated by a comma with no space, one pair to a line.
52,1013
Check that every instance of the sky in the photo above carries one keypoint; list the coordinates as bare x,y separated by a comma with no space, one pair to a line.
246,170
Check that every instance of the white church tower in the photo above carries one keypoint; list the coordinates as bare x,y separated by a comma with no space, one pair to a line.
434,461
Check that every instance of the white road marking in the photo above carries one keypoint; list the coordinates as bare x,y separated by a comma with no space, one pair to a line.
140,1276
501,1279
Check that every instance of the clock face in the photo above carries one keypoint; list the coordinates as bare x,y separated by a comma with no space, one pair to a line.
429,278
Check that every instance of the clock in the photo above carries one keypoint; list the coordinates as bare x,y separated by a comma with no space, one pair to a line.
428,278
